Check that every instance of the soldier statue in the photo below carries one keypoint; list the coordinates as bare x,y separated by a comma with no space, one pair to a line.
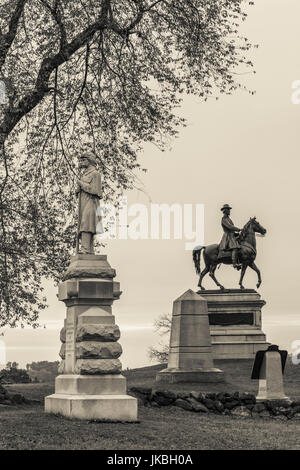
229,241
89,191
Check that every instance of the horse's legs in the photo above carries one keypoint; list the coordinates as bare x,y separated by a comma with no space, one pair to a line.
202,274
244,267
212,275
255,268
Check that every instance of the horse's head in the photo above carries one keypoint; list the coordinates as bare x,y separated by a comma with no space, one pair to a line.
254,225
257,227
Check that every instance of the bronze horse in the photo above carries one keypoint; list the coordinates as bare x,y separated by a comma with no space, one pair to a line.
246,255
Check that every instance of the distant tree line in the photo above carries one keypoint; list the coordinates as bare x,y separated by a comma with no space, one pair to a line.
13,375
42,371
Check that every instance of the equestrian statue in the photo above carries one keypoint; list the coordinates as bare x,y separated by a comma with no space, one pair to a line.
237,247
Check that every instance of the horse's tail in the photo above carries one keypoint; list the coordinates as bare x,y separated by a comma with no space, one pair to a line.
197,256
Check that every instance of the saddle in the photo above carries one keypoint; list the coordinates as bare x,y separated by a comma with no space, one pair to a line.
227,254
224,254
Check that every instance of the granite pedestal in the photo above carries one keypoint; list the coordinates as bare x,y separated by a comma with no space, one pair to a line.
235,319
190,354
91,385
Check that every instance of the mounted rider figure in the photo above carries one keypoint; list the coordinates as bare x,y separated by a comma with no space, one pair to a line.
229,240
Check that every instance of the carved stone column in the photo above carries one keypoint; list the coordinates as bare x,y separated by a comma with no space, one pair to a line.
91,385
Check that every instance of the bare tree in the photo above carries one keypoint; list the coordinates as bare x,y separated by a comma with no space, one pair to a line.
163,326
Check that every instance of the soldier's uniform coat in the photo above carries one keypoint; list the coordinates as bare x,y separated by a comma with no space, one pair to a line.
91,192
229,241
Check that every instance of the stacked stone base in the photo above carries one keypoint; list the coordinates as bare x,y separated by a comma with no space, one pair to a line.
90,385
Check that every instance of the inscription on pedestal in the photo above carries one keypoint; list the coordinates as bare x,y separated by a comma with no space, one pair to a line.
227,319
70,346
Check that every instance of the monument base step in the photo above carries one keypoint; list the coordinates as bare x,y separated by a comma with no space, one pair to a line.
169,376
273,397
73,384
98,407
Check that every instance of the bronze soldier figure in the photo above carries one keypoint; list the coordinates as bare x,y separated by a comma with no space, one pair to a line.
90,192
229,241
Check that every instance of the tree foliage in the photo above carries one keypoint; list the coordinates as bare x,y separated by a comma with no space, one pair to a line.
43,371
12,374
159,354
108,74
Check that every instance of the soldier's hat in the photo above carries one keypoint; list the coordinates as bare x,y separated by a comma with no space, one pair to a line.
90,156
226,206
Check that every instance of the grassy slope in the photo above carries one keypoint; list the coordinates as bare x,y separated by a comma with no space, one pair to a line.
28,427
237,373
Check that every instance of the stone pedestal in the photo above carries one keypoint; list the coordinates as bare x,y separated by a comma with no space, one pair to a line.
190,354
235,320
90,385
270,384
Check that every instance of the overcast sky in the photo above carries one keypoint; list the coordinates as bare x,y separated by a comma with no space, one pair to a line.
242,150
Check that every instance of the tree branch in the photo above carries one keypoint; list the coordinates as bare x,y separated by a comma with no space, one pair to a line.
82,86
6,40
56,14
48,65
142,9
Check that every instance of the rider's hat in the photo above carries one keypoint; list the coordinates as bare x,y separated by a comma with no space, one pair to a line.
226,206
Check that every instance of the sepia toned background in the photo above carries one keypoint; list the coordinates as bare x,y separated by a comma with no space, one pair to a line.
242,150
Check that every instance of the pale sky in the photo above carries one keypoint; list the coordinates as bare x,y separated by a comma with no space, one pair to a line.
241,150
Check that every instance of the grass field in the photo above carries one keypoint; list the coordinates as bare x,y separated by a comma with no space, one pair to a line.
237,376
167,428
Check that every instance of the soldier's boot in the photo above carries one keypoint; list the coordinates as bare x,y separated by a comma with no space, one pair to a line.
235,259
86,243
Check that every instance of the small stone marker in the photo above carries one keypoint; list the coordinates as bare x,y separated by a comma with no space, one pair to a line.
190,354
268,367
